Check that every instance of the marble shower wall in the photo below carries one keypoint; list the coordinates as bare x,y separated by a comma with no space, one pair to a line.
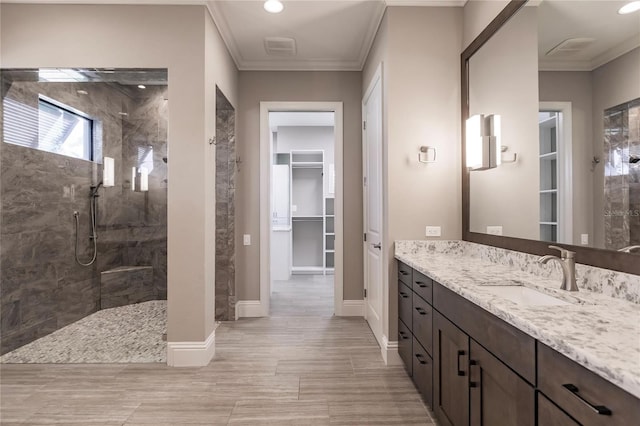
225,296
622,175
42,287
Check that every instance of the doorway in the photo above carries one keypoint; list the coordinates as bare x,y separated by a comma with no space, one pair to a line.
301,208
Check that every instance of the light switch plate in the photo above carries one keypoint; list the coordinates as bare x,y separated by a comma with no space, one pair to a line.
584,239
247,239
494,230
432,231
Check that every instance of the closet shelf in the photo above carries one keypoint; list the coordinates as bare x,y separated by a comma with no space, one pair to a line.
307,165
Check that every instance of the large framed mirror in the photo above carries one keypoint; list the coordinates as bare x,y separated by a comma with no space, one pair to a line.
564,77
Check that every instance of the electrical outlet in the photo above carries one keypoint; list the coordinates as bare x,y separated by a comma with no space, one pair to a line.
247,239
494,230
584,239
432,231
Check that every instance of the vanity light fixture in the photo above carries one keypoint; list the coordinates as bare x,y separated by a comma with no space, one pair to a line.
273,6
634,6
483,136
108,172
134,174
144,179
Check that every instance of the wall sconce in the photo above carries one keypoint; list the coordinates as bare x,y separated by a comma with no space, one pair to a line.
144,179
108,172
134,175
483,137
427,154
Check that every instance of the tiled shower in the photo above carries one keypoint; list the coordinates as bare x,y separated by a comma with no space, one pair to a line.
43,183
622,175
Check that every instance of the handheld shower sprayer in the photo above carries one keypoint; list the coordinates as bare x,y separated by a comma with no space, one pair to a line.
93,194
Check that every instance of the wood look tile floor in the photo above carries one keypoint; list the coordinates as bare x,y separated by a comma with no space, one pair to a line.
301,366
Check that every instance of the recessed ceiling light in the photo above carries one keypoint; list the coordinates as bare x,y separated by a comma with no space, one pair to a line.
82,92
634,6
273,6
141,86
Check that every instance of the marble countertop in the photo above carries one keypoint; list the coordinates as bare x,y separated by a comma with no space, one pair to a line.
597,331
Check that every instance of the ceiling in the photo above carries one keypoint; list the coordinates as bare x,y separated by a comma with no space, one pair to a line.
613,34
328,34
331,35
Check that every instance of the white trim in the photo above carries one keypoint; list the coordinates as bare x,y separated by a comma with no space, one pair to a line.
389,351
265,196
565,178
426,3
353,308
250,309
191,354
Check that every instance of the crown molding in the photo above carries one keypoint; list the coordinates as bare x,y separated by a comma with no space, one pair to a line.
590,65
426,3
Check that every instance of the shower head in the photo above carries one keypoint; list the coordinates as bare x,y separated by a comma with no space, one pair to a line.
164,159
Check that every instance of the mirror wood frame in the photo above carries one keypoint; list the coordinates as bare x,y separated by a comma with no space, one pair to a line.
601,258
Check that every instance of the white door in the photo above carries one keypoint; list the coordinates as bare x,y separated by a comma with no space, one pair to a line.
372,169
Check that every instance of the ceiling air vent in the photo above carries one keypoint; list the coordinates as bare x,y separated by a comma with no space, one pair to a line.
280,46
570,47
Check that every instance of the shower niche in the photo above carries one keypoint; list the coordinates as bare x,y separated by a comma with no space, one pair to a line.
74,243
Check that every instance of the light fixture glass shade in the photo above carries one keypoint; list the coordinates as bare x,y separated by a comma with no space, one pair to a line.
273,6
108,172
495,132
133,178
634,6
474,139
144,179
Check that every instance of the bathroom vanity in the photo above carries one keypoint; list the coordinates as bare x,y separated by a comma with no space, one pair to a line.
487,342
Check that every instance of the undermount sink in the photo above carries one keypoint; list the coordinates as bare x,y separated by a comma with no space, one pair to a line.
525,296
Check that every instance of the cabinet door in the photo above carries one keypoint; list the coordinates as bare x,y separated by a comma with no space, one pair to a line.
405,346
451,381
423,372
550,415
498,396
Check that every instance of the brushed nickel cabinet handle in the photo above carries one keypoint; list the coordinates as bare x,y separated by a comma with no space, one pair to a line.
421,359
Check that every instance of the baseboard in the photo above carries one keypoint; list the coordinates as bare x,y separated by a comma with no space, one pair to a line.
389,350
191,354
249,309
352,308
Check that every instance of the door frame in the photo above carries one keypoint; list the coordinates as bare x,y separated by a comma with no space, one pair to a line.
385,344
265,197
565,177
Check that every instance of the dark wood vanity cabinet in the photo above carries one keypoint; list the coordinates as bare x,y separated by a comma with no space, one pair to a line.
451,381
473,368
584,396
498,396
415,317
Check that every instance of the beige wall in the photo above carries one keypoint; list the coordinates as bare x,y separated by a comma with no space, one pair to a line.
258,86
576,87
170,37
420,48
613,84
477,15
503,80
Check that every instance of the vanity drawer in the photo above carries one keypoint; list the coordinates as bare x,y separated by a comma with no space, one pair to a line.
512,346
423,286
405,341
405,305
578,391
405,273
550,415
423,372
423,323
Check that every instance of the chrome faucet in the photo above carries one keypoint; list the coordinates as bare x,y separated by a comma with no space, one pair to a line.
629,249
568,264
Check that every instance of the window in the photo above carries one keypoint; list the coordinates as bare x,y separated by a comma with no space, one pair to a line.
63,131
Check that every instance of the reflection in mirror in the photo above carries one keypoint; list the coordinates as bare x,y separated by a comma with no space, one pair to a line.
564,76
